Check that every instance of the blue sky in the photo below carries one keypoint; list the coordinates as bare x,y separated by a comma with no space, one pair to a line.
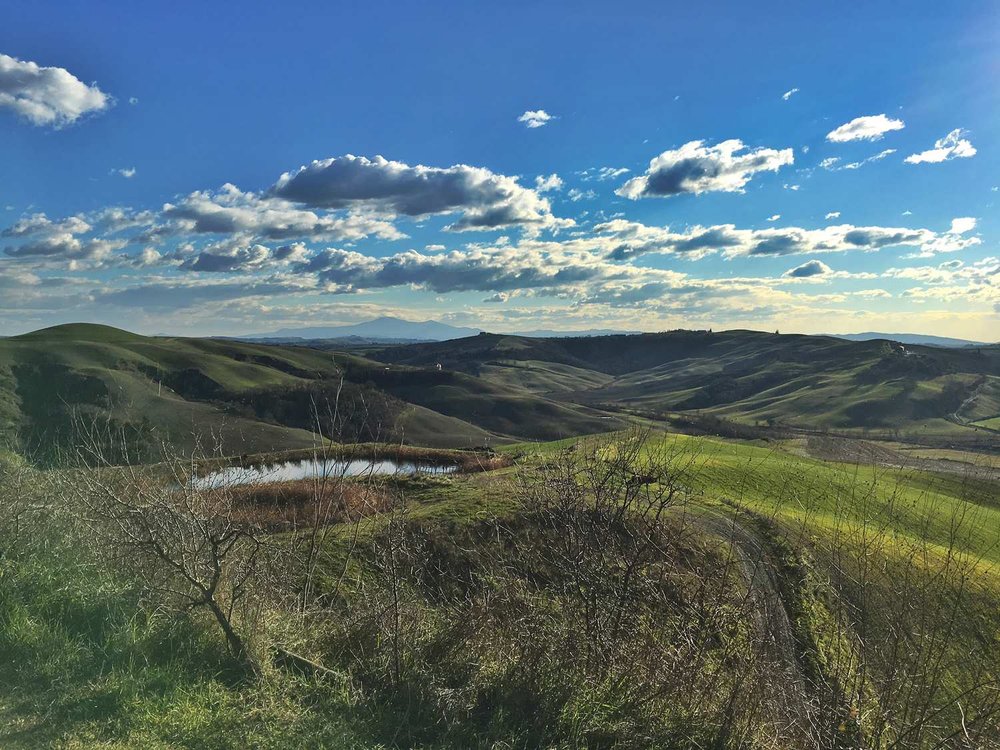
799,166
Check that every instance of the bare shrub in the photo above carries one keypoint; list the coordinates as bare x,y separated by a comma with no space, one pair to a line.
891,589
16,502
602,514
912,585
655,600
598,604
189,548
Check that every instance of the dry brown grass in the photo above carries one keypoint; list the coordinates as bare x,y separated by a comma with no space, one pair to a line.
471,462
284,506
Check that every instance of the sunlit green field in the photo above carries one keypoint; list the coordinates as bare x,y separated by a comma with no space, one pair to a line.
814,496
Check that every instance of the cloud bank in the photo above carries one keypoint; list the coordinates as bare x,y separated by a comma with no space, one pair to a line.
630,239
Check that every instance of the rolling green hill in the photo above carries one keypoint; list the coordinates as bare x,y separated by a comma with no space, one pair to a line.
794,558
238,397
246,398
815,382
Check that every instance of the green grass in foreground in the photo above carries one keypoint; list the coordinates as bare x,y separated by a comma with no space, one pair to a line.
84,663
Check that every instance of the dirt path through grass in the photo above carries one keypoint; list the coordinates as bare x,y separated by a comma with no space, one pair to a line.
772,625
868,453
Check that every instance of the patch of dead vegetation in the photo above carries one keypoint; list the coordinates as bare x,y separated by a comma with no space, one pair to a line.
284,506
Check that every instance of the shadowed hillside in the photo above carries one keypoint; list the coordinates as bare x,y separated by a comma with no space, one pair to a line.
243,397
250,397
805,381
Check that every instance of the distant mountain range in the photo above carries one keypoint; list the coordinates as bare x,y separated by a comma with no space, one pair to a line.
380,329
908,338
388,329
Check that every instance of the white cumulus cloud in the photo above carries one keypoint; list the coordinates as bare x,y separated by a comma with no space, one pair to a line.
952,146
535,118
47,95
808,269
962,225
484,199
868,128
697,168
547,183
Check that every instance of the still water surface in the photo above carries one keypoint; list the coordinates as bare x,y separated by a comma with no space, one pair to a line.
313,469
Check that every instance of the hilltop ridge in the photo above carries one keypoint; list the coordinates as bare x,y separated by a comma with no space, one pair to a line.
95,332
489,387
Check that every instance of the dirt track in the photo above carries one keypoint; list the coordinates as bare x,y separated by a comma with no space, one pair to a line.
868,453
772,625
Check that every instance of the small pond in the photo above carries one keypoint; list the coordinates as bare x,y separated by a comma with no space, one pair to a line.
314,469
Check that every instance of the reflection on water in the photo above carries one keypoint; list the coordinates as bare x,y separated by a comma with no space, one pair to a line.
312,469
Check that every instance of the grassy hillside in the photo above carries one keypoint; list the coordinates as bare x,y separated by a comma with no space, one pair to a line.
804,381
542,377
504,409
624,590
247,398
780,601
